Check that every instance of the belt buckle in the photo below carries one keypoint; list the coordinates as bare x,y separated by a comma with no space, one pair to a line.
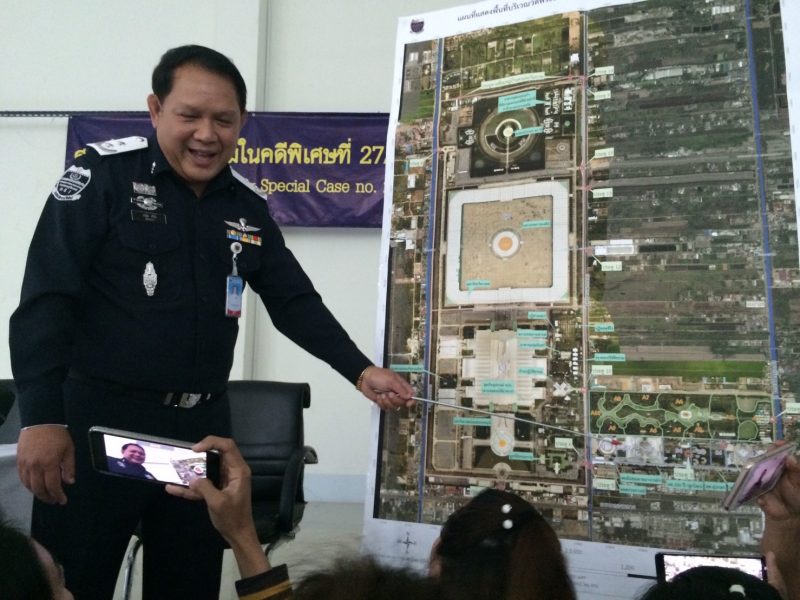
189,400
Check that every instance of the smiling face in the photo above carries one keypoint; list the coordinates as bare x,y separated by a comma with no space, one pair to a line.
134,454
197,124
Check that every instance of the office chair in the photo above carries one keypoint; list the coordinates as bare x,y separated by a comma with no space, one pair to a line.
267,426
16,502
8,412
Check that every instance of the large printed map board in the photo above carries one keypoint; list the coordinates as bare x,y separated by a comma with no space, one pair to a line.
591,267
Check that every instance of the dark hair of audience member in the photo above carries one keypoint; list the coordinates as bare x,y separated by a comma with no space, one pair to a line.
22,575
712,583
364,579
499,546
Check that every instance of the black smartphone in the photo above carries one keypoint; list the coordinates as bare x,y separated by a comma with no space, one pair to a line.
669,564
758,476
150,458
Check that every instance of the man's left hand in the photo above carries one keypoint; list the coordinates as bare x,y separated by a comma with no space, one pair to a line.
386,388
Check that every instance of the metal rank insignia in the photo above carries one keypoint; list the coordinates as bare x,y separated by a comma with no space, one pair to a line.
144,188
146,203
150,279
242,232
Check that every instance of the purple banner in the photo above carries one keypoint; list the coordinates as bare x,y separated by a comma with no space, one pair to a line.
318,169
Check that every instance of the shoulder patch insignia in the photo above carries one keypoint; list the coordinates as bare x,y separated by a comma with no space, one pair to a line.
72,183
135,142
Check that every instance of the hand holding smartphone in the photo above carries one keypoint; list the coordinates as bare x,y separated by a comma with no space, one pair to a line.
758,476
150,458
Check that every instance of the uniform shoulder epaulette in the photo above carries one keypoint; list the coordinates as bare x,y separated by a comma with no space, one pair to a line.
127,144
249,184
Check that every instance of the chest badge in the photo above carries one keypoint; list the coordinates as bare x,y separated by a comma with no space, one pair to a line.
242,232
146,202
150,279
143,188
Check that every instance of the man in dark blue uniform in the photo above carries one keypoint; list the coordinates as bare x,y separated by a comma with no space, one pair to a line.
127,319
131,463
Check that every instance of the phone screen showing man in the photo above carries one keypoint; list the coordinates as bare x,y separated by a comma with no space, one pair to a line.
154,461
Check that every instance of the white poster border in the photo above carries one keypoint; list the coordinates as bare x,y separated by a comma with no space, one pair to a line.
599,570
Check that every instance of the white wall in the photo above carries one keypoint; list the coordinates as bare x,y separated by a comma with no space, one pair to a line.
91,55
96,55
32,152
320,55
325,55
335,55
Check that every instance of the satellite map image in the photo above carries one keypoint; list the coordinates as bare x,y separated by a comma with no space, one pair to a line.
593,270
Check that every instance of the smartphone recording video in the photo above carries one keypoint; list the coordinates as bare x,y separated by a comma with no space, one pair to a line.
148,458
668,565
758,476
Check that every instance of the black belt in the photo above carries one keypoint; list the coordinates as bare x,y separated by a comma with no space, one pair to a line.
176,399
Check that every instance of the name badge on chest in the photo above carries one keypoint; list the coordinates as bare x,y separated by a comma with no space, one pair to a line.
234,286
148,217
145,207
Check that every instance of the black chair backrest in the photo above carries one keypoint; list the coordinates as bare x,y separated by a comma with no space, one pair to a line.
267,425
9,413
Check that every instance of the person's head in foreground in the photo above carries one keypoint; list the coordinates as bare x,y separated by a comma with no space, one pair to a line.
499,546
27,570
712,583
365,579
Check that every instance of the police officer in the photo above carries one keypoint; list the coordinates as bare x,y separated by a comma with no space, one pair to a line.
127,319
131,463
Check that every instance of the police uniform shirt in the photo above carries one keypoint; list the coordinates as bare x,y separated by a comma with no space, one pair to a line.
126,280
123,467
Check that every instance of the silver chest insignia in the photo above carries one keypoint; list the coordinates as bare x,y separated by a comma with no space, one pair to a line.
143,188
150,279
146,202
242,232
242,226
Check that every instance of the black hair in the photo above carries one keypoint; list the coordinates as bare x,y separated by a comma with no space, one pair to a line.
22,575
712,583
124,446
499,546
199,56
365,579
